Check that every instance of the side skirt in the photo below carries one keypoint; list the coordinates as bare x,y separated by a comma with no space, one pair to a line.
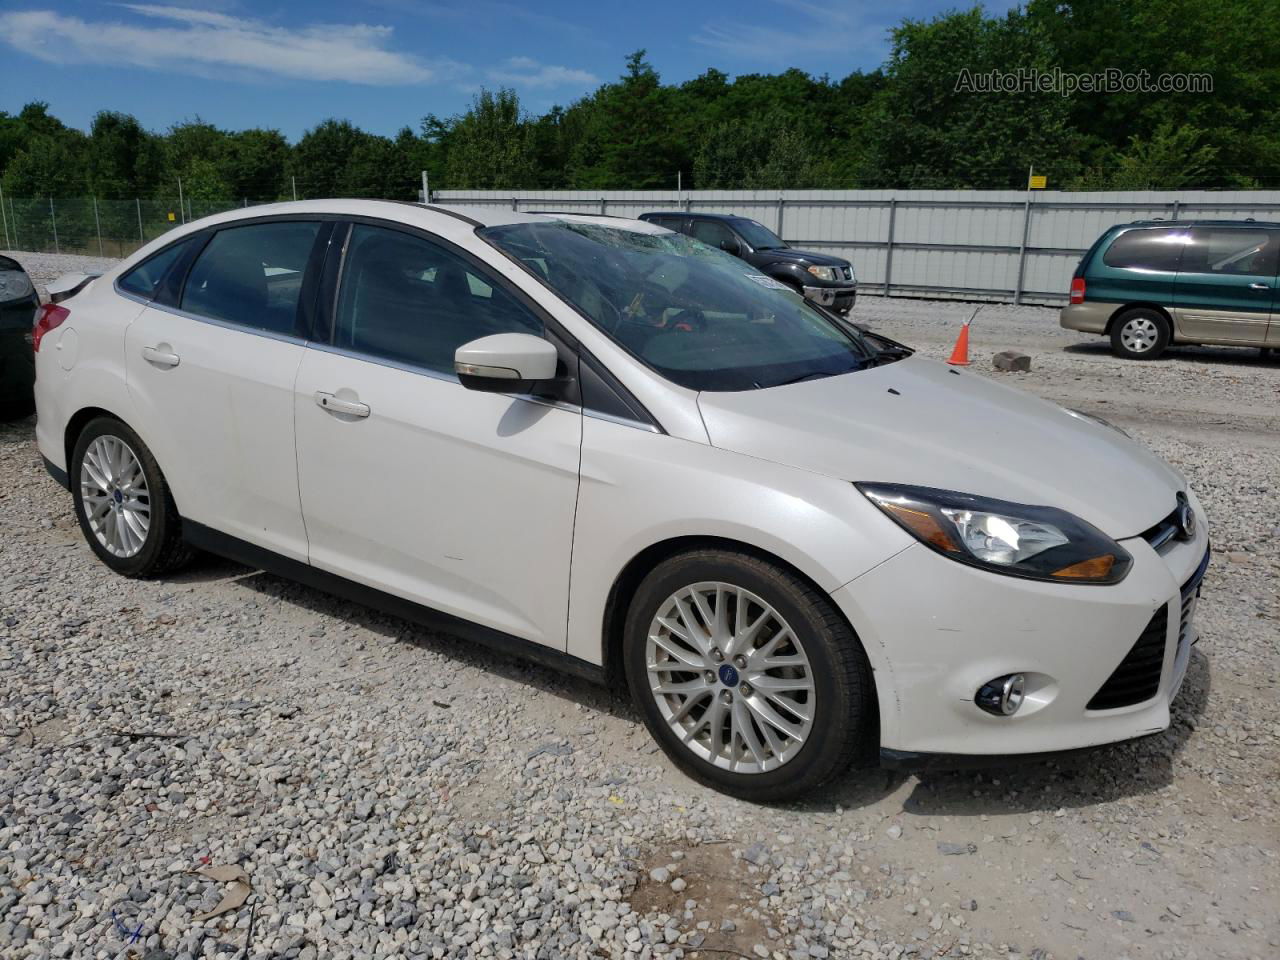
213,541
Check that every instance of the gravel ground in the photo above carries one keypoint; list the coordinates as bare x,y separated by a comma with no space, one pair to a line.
393,792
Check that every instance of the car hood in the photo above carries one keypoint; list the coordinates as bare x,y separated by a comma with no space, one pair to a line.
792,255
920,422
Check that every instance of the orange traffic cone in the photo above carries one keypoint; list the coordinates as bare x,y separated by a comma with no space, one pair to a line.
960,355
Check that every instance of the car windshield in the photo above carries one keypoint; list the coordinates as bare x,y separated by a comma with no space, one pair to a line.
758,235
699,317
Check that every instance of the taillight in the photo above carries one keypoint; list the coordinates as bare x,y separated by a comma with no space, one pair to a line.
1077,289
49,318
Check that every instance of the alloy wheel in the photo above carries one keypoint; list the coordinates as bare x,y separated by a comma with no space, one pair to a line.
730,677
117,503
1139,334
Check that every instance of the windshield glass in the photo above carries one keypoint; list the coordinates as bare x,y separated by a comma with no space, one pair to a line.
700,317
758,235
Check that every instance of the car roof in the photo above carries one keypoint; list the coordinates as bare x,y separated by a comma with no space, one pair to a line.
1200,223
475,216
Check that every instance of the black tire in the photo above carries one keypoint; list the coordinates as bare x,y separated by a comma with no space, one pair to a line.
1140,334
845,723
163,550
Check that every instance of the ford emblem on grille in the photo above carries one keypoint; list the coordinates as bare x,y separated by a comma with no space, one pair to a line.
1186,519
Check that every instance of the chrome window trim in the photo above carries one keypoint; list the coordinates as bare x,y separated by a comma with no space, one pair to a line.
214,321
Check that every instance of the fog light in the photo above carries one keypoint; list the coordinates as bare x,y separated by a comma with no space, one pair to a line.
1002,696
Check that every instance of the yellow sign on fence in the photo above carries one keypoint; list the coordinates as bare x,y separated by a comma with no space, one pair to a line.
172,217
1038,182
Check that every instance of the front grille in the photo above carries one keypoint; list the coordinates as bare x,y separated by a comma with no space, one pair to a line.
1138,676
1164,531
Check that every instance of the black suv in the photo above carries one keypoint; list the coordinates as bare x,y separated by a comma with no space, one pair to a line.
825,280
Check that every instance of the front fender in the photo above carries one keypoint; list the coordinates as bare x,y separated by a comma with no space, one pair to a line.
639,489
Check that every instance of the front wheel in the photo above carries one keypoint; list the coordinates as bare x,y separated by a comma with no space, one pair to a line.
123,502
1140,334
748,677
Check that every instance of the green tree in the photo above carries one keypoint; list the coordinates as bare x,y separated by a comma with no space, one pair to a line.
491,146
926,131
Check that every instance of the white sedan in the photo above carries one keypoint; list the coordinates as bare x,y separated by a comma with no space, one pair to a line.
630,456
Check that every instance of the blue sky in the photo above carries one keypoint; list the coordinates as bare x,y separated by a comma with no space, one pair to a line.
386,63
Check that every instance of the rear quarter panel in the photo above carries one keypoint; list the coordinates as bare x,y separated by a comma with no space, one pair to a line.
81,365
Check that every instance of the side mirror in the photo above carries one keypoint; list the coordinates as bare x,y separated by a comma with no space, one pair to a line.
505,362
731,246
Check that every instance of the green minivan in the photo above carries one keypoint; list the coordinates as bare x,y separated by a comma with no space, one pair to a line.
1155,282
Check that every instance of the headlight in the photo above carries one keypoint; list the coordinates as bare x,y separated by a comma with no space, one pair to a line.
1039,543
830,274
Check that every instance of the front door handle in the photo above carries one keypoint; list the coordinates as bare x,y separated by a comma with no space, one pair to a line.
1259,286
352,408
161,358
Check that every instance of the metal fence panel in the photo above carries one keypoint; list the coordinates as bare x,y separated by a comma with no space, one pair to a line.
1001,245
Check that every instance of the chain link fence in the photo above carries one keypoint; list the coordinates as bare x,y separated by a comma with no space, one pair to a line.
99,228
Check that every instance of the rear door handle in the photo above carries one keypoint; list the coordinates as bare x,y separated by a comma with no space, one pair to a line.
1259,286
352,408
161,358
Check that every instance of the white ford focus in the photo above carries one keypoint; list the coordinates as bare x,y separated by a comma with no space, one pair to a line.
628,455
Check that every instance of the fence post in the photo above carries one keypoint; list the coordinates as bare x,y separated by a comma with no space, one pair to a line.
182,207
781,203
688,202
1176,204
5,217
13,215
293,180
1022,248
53,218
514,204
426,193
141,236
602,203
97,225
888,253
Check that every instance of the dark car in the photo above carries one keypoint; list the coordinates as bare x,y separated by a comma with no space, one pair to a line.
18,303
825,280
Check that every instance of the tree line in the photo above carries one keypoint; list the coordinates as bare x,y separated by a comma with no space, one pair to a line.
908,124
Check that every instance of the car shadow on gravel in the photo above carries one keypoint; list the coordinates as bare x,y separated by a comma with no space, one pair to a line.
1232,356
399,630
1077,779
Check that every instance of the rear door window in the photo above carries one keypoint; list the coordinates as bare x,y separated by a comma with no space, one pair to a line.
144,279
671,223
711,232
1157,250
252,275
1231,251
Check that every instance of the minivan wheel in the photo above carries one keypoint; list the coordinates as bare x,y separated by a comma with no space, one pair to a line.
1140,334
123,502
748,677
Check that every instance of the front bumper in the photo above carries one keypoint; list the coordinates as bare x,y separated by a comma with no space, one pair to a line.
839,299
936,630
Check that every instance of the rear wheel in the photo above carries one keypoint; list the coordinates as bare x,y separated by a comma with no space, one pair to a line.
1140,334
123,502
748,678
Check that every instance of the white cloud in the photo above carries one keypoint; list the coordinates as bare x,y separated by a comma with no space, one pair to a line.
526,72
822,29
209,43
